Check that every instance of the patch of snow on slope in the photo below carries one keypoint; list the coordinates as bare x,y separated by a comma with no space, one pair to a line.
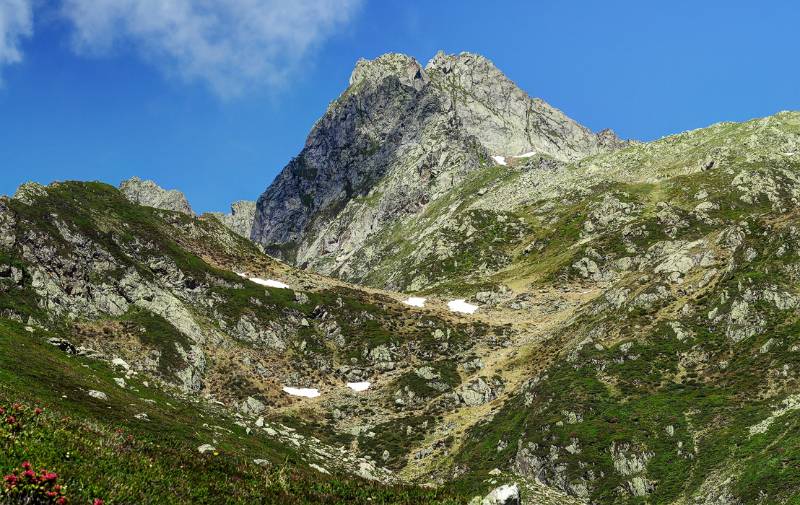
500,160
305,392
507,493
358,386
462,306
415,301
269,282
527,155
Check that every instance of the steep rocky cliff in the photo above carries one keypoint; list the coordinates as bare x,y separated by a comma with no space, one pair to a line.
399,138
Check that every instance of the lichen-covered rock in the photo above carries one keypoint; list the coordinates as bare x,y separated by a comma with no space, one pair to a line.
241,217
150,194
252,406
503,117
478,392
631,463
29,192
7,225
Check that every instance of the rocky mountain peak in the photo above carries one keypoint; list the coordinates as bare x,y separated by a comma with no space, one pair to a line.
150,194
407,70
399,138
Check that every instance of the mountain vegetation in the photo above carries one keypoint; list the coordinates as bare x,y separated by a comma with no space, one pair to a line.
635,336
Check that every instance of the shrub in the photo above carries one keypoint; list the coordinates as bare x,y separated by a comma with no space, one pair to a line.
13,420
25,486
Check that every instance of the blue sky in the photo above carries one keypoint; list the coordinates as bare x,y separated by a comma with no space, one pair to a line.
215,103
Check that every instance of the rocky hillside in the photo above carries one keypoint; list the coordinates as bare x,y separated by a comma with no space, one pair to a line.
650,300
166,309
677,381
398,139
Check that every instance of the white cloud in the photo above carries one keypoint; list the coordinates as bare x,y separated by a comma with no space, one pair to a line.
16,22
230,44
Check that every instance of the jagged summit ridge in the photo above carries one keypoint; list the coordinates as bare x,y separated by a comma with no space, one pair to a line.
405,68
490,107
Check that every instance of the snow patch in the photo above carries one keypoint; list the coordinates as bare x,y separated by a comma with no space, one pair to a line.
507,493
358,386
305,392
269,282
526,155
500,160
415,301
462,306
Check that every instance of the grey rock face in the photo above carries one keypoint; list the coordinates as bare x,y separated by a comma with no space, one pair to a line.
477,392
389,127
7,225
150,194
405,68
503,117
240,220
397,140
28,192
251,406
